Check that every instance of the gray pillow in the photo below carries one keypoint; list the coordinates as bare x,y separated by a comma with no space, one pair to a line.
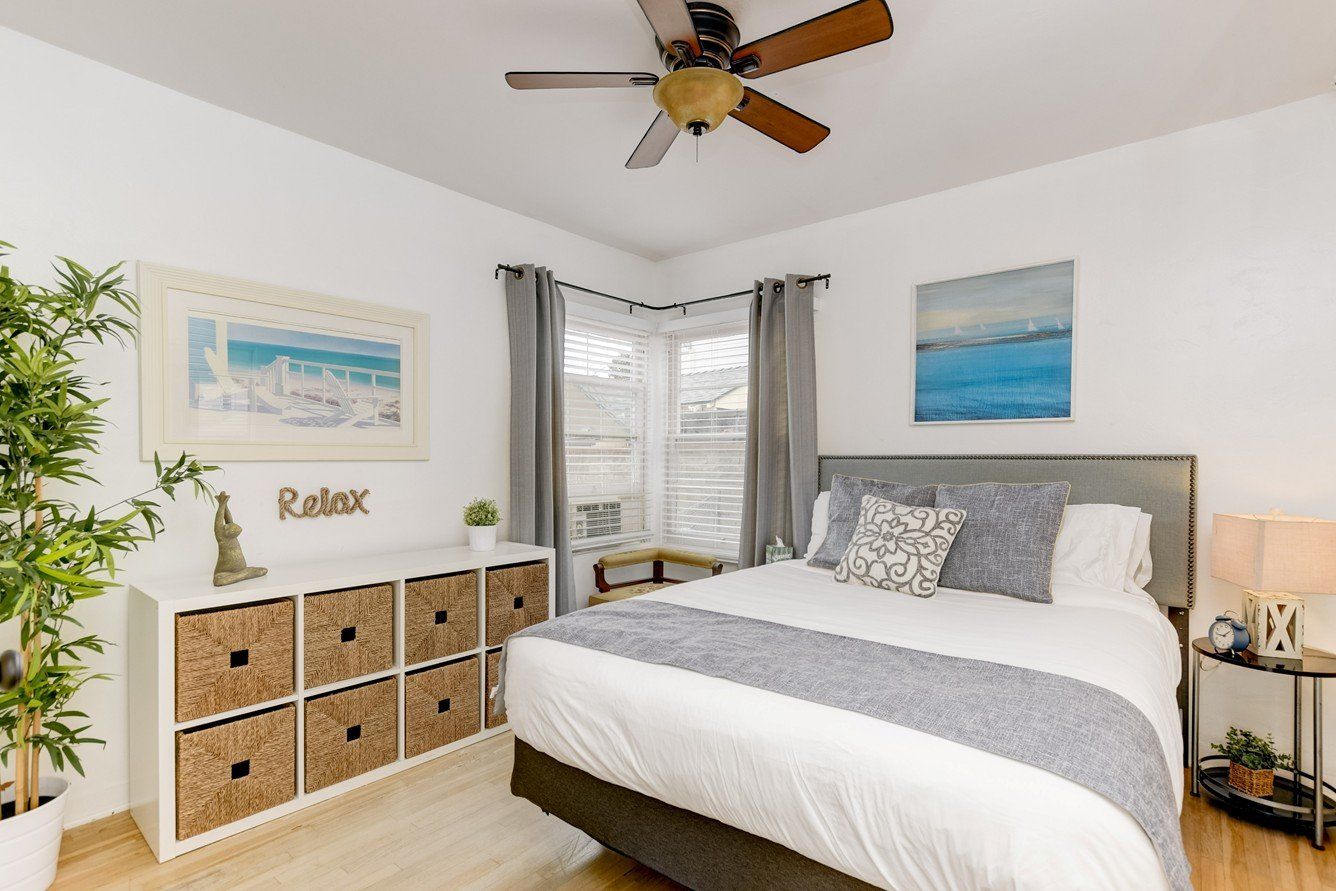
846,500
1006,544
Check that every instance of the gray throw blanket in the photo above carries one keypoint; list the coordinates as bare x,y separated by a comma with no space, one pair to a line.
1068,727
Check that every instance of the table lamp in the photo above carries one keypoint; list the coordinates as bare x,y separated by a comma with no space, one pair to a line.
1275,558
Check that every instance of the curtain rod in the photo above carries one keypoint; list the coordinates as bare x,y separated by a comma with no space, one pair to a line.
632,304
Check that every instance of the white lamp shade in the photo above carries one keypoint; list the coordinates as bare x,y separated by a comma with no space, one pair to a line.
1274,552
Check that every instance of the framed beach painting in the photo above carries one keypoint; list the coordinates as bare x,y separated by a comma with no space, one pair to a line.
232,370
995,347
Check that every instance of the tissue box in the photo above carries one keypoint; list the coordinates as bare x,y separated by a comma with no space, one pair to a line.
775,553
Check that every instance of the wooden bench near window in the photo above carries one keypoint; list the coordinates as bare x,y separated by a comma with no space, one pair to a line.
609,591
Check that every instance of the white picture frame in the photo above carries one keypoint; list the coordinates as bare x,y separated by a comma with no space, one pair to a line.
234,370
1074,327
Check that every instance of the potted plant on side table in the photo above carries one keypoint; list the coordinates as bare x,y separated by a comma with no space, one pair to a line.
53,553
481,516
1252,762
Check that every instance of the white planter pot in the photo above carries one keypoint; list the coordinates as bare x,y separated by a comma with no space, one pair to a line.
482,538
30,842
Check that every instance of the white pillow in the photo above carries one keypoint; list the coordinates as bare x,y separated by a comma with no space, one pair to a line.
1139,565
820,523
1094,546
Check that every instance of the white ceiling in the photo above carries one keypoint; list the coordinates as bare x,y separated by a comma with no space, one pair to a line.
964,91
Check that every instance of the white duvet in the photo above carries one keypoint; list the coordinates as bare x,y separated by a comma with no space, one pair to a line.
895,807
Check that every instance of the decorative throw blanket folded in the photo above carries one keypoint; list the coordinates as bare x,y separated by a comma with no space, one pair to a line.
1068,727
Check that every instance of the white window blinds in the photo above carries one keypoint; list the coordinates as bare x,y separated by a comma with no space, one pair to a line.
705,435
607,395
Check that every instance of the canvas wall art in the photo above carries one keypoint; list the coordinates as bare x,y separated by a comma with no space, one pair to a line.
995,347
234,370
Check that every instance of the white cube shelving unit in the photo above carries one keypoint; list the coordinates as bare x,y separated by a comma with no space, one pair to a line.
154,605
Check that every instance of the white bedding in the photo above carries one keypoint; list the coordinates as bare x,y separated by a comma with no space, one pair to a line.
895,807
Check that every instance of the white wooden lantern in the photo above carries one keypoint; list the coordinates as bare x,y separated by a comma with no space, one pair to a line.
1275,623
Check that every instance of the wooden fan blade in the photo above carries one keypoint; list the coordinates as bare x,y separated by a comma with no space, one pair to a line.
672,24
844,29
654,144
565,80
779,122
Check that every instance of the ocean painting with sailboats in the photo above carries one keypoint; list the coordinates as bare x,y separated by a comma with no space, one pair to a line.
995,347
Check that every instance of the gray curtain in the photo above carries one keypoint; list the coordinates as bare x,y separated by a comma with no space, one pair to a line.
537,315
780,482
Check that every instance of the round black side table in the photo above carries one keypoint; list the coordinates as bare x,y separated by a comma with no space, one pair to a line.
1294,805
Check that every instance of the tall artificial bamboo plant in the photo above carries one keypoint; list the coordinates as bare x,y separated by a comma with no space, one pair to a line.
54,554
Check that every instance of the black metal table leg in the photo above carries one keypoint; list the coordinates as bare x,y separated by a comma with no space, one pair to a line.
1298,738
1319,798
1193,724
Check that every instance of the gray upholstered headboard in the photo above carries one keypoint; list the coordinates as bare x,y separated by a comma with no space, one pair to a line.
1164,486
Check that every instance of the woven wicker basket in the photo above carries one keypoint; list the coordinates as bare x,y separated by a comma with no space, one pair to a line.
351,732
440,616
234,769
348,633
516,599
493,664
1257,783
440,706
229,658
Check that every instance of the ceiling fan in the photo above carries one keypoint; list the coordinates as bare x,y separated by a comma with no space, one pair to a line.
698,43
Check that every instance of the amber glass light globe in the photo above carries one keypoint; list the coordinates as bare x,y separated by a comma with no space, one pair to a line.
698,97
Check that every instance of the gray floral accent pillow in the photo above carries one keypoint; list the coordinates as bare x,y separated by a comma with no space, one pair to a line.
899,548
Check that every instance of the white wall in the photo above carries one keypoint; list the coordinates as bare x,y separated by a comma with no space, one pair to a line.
100,166
1206,324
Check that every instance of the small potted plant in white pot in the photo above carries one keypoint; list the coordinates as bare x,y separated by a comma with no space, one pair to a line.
1252,761
481,516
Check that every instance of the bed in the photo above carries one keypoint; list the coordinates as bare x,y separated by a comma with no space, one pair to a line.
722,785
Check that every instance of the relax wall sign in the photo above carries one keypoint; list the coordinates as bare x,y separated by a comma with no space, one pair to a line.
326,504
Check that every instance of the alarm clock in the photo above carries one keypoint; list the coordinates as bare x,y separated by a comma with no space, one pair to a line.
1228,634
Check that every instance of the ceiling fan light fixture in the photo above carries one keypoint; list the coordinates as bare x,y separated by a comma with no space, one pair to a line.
698,42
698,99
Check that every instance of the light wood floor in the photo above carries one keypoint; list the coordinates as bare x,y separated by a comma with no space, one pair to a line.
453,823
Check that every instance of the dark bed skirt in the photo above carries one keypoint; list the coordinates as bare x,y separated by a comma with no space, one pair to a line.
696,851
